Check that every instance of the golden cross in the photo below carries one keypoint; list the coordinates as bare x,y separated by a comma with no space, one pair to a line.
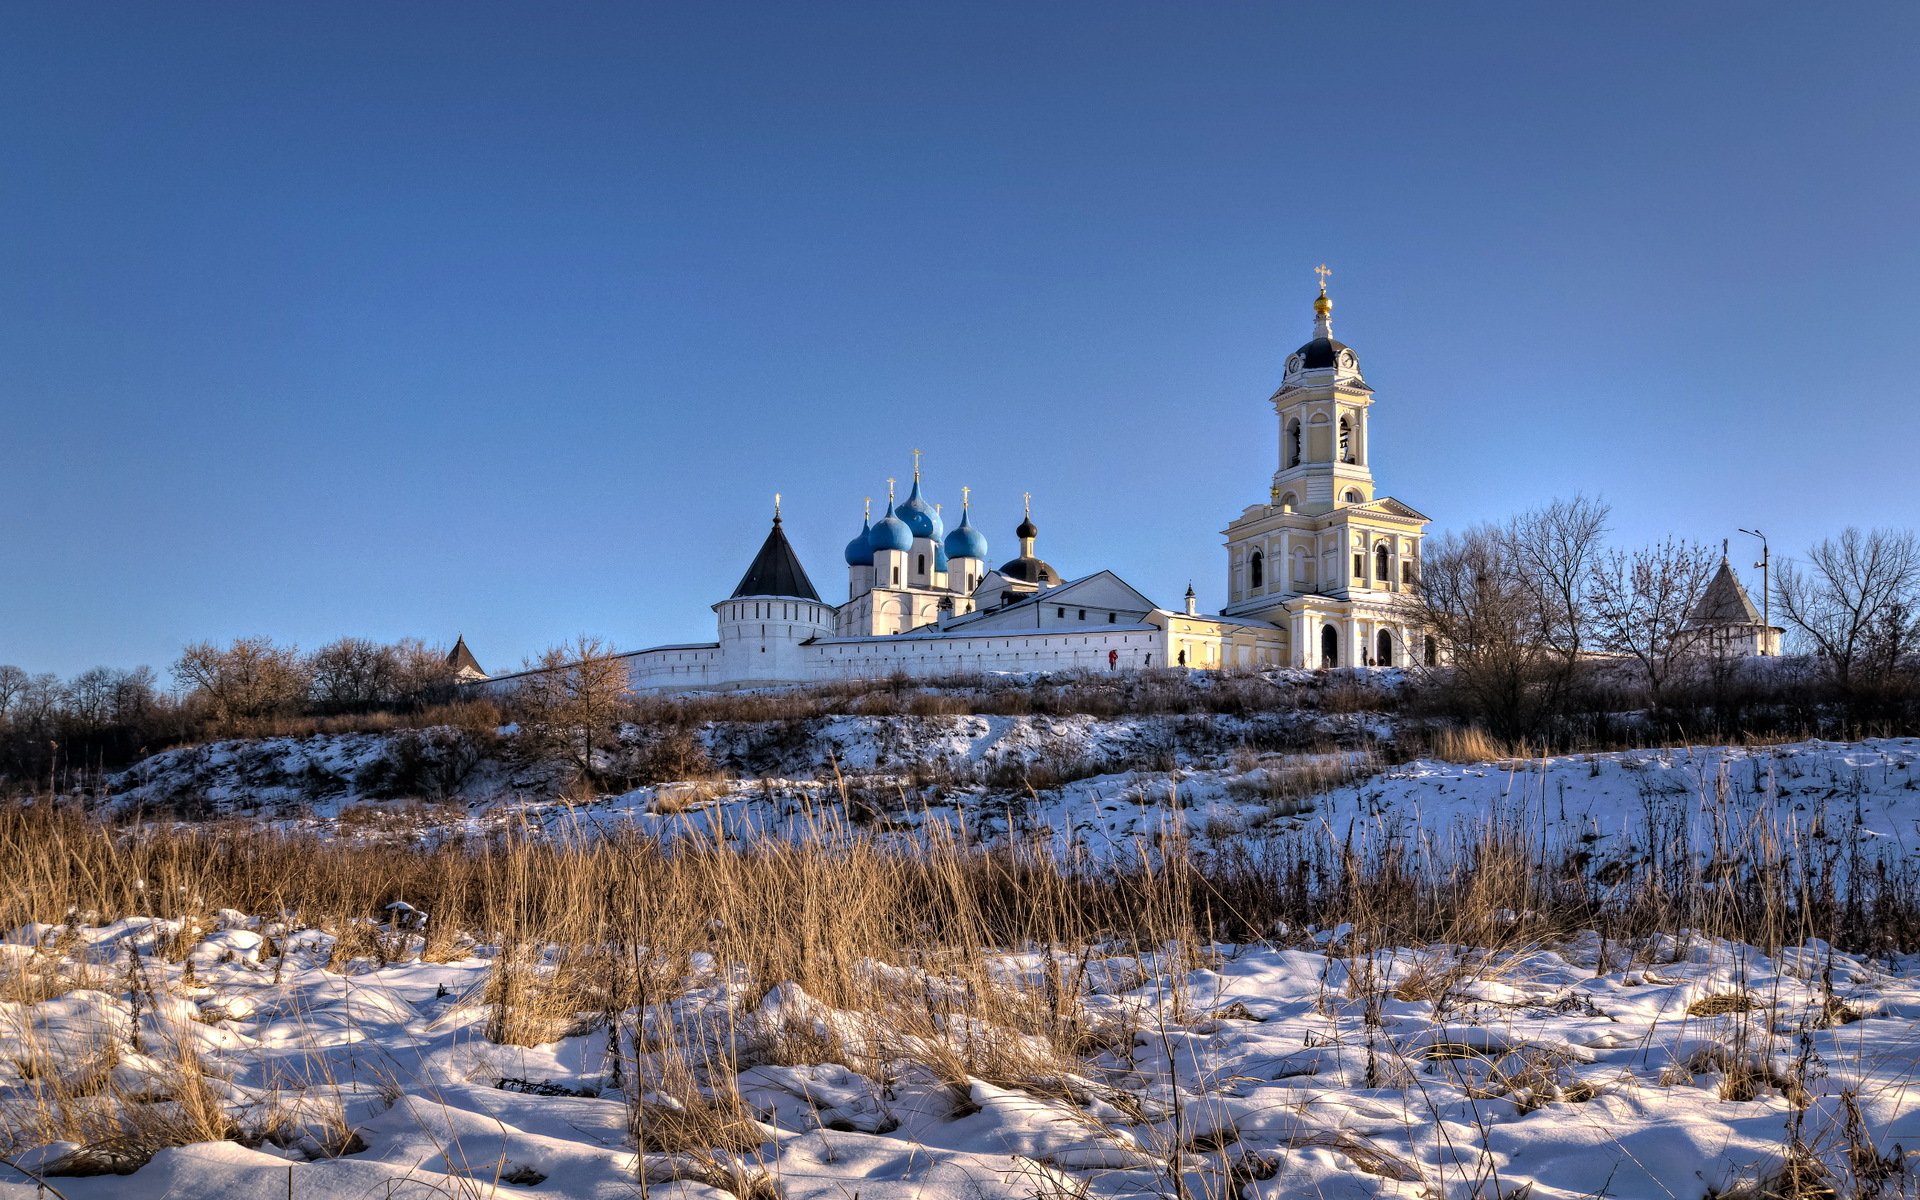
866,510
916,462
889,491
1322,272
776,506
1026,500
966,495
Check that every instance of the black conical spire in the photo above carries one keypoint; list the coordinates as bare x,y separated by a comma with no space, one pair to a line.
776,570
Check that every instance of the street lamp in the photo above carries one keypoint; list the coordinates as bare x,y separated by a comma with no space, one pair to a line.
1766,588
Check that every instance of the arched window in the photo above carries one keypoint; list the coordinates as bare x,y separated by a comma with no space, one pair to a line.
1293,442
1383,649
1346,440
1288,502
1256,570
1432,651
1352,496
1329,646
922,567
1380,564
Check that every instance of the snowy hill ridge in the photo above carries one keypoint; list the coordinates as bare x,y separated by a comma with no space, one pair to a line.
325,773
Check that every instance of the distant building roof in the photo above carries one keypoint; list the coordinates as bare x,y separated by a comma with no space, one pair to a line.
776,571
1725,602
461,661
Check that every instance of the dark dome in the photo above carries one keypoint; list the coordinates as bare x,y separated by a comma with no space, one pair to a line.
1026,529
1320,353
1030,570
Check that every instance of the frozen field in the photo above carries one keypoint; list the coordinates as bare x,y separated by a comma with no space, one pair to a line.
1318,1064
1685,1069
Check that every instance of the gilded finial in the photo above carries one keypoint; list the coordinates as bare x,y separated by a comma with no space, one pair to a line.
866,509
966,497
889,491
1026,503
1321,304
776,508
916,464
1323,271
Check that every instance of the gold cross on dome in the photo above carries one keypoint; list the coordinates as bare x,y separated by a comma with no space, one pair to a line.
966,495
916,462
1026,501
776,506
1322,271
889,489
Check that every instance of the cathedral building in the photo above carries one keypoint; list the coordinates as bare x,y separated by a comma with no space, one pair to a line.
1316,576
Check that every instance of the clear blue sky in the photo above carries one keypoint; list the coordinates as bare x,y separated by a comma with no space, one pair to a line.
420,319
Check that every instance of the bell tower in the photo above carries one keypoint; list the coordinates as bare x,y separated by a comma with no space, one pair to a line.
1322,407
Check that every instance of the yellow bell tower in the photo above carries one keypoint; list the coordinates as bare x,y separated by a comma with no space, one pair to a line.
1322,404
1325,558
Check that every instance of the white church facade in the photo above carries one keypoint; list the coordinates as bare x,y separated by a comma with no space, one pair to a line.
1315,577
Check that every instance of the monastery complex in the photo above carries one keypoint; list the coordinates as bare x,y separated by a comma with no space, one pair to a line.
1317,575
1312,575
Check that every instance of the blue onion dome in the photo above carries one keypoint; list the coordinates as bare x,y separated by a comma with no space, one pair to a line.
890,533
860,549
965,541
919,515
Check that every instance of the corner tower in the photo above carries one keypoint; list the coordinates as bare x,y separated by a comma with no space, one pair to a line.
1325,558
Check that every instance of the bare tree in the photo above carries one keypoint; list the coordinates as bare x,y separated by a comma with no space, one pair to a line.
1642,604
1471,598
572,699
136,695
12,681
353,674
252,678
36,708
421,672
89,698
1552,551
1856,600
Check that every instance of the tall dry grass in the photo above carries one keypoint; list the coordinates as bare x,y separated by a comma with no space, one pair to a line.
702,959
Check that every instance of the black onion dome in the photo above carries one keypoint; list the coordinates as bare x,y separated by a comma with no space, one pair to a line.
1026,529
1031,570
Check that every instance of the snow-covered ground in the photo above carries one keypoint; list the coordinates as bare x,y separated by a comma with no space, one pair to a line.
1685,1068
1678,1066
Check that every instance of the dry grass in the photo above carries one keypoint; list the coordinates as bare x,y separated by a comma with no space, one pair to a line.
835,948
1287,785
1459,744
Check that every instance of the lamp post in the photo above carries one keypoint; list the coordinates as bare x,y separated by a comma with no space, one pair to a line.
1766,585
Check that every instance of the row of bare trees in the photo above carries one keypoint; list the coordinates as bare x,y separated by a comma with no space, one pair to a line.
252,678
102,716
1533,611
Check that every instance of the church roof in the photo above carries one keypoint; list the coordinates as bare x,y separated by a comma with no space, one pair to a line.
1725,602
461,660
776,571
1388,506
